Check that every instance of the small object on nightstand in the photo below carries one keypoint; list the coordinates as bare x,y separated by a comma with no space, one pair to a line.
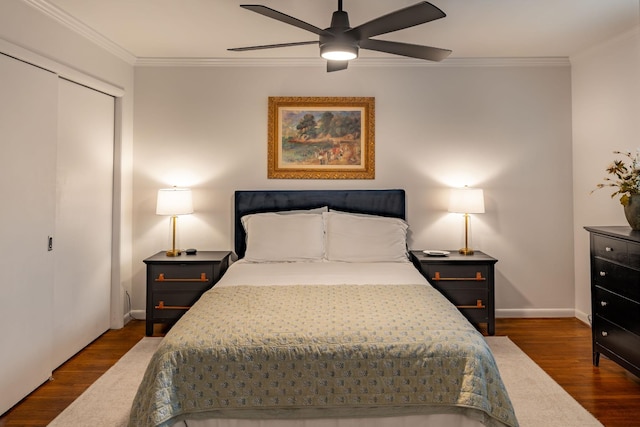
191,251
436,253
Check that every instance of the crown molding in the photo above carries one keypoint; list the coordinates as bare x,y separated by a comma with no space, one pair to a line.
87,32
362,62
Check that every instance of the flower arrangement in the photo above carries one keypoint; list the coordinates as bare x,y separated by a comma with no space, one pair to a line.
626,179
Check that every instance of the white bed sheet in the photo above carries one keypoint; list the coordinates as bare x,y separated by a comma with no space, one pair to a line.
330,273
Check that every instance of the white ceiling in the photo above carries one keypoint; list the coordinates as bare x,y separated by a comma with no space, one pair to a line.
472,28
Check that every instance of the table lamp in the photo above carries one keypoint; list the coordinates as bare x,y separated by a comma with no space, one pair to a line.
466,201
174,201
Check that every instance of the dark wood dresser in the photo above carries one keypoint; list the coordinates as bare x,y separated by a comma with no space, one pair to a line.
615,295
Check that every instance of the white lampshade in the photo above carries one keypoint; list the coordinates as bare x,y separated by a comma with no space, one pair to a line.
174,201
466,200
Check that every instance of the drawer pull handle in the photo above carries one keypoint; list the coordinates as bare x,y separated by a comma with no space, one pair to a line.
605,333
161,306
603,273
478,277
608,249
478,305
161,278
604,303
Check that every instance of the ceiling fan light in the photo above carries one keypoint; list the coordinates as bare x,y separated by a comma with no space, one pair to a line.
337,52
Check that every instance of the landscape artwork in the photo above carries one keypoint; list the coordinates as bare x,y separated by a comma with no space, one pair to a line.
321,138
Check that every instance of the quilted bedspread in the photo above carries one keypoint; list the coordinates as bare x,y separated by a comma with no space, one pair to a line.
305,351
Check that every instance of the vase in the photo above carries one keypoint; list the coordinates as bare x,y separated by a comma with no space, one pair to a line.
632,211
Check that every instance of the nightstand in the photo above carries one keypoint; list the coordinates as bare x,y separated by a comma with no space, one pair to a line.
468,281
175,283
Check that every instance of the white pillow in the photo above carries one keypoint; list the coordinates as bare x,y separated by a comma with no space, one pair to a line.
272,237
364,238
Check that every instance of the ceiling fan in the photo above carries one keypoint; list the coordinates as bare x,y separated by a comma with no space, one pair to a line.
340,43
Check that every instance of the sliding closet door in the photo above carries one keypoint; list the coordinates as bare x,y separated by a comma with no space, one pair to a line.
82,277
28,124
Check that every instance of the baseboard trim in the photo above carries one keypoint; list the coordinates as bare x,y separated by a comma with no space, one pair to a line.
535,312
137,315
584,317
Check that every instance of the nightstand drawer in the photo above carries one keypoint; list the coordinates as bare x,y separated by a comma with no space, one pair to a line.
457,275
172,305
183,276
471,302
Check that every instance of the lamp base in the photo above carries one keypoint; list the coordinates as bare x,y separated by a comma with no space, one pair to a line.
173,252
466,251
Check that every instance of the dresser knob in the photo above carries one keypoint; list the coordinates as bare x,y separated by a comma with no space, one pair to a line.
604,303
608,249
603,273
605,333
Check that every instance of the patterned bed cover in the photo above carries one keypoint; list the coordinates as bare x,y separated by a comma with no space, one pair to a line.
308,351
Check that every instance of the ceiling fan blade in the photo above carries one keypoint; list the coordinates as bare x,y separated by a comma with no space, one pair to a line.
398,20
406,49
271,13
271,46
337,65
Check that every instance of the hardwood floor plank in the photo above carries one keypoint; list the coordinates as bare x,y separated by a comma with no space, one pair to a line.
562,347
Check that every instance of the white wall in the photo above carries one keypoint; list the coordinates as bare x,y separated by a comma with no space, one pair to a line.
506,129
606,118
29,28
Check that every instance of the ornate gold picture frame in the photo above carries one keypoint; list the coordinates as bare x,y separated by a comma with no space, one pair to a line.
321,138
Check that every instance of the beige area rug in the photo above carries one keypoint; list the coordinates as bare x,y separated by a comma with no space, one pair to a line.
538,400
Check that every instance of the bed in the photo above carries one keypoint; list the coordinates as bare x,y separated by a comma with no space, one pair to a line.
322,322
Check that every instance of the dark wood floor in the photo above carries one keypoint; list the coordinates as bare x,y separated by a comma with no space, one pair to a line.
562,347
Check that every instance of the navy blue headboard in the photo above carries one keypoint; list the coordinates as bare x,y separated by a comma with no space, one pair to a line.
389,203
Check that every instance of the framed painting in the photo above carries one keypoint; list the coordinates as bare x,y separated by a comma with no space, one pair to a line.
321,138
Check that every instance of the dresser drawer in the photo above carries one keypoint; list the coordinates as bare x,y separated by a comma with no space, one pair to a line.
624,344
187,277
617,278
634,253
616,309
611,249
